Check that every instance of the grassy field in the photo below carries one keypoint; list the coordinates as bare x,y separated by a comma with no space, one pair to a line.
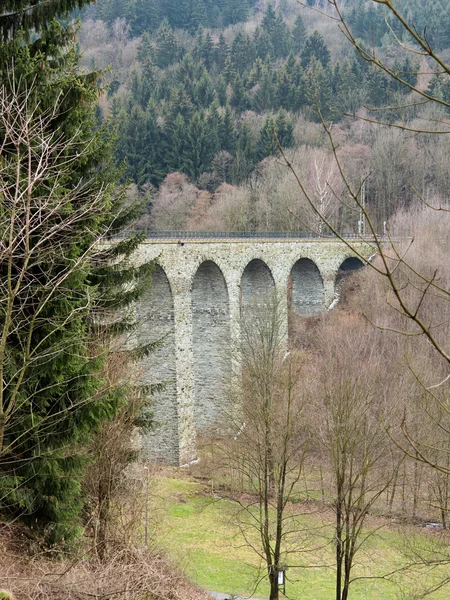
200,533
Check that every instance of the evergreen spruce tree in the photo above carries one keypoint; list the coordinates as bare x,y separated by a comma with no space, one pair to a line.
262,44
244,160
267,142
318,90
228,132
167,50
175,134
264,98
235,11
221,89
315,47
298,35
241,52
284,129
221,52
200,146
52,396
239,100
204,93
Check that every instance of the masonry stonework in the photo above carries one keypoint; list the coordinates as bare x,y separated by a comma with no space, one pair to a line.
199,290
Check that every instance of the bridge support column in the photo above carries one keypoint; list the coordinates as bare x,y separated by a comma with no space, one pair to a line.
234,300
329,288
281,287
184,370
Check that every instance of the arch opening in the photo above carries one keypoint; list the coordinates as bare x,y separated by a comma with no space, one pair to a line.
211,336
347,267
353,263
257,283
306,289
156,324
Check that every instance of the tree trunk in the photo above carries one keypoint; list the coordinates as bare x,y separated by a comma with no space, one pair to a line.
338,552
273,578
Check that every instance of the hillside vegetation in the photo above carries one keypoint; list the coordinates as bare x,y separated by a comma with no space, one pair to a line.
203,95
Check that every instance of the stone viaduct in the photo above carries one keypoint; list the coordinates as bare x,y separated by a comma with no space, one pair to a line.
199,288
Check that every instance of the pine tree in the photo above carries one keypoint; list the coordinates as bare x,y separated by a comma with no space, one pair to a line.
262,44
53,382
318,90
241,52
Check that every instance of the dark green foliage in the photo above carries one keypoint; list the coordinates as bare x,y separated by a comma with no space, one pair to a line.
147,15
167,50
61,397
275,68
315,48
373,23
277,131
298,35
240,100
264,97
32,16
277,32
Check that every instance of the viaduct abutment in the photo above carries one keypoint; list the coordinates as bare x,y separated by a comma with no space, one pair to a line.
199,291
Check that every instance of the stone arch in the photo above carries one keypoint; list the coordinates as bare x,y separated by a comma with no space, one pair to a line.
257,281
351,263
305,289
156,324
346,268
211,341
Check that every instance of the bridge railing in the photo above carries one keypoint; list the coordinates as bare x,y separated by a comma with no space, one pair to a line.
255,235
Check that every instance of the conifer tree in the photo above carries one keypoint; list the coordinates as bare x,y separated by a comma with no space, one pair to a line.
52,396
264,97
262,44
298,35
167,50
244,161
318,90
315,47
267,142
175,143
235,11
239,99
221,52
228,132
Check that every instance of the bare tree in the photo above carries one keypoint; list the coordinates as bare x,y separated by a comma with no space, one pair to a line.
266,441
348,419
324,180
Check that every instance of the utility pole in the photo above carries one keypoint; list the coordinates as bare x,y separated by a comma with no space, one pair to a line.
362,209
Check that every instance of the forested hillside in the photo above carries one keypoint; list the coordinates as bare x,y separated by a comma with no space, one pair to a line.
199,89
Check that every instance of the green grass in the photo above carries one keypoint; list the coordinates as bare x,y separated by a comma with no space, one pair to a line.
201,535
